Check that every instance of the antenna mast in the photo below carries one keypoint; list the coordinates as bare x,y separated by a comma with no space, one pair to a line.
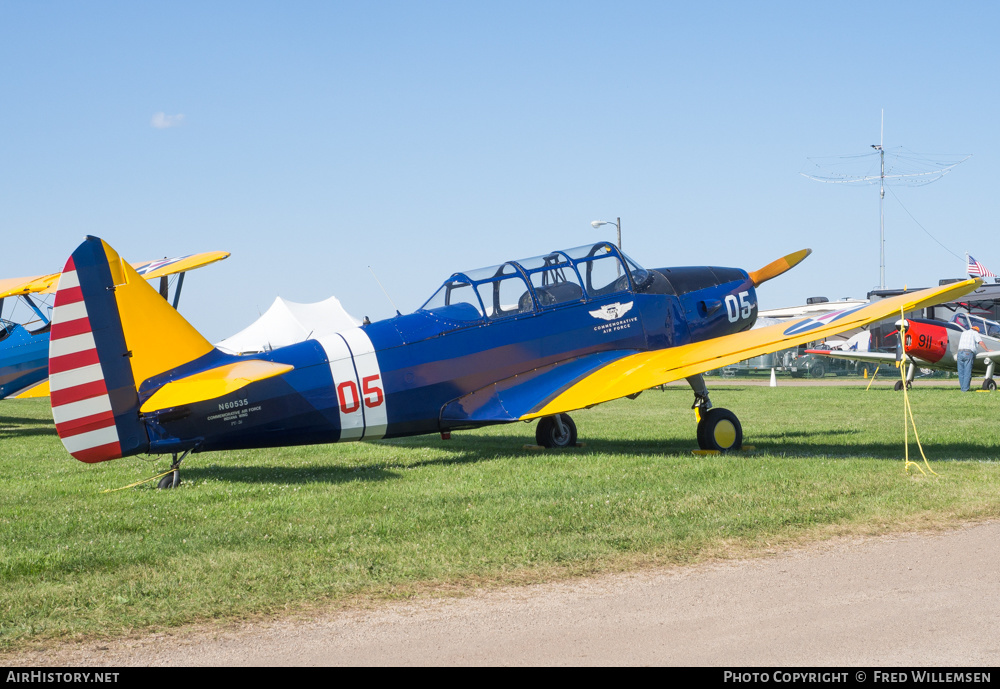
881,202
905,168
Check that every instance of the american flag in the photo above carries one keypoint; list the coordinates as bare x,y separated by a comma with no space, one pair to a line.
977,268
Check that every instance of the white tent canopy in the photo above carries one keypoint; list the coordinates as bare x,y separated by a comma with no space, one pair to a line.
286,323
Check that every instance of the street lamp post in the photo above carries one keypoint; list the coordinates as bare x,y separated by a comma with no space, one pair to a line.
617,223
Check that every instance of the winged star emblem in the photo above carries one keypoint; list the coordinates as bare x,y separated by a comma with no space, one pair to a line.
612,312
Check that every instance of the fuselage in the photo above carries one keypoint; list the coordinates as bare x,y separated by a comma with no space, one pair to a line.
934,344
477,353
24,357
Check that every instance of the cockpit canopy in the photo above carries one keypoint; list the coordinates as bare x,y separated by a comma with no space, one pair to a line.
537,283
985,327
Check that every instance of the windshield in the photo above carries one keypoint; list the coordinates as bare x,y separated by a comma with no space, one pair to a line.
456,300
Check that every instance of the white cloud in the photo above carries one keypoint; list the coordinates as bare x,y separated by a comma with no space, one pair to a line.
161,120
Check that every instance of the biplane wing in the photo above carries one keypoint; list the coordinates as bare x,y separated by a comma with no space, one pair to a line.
14,287
170,266
637,372
46,284
24,356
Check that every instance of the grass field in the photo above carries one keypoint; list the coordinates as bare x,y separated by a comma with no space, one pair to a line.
258,533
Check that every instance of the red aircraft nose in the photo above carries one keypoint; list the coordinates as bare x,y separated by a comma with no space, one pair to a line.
926,341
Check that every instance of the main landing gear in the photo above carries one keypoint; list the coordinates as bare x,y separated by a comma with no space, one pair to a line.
718,429
173,479
988,382
557,430
911,373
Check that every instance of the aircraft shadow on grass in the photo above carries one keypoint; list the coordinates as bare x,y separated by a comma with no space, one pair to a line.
288,475
474,450
25,421
789,444
18,427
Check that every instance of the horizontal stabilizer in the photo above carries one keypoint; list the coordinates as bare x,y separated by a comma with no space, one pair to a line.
212,383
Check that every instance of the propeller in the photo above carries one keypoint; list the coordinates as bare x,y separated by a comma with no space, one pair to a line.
901,326
776,268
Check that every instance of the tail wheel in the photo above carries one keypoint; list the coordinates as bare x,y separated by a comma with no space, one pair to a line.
719,429
989,384
173,479
556,431
167,481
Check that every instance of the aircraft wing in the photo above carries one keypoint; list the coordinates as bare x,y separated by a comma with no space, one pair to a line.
634,373
10,287
46,284
512,398
876,357
181,264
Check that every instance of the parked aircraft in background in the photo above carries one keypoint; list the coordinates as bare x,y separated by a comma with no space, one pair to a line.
934,344
24,347
527,339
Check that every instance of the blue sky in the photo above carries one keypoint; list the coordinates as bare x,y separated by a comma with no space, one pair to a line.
315,139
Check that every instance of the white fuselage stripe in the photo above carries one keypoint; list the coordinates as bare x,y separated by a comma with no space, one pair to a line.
357,382
366,364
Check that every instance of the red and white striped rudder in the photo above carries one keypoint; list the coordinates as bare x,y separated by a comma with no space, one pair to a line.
81,407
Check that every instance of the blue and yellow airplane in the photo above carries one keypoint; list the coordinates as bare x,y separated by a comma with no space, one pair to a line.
24,347
528,339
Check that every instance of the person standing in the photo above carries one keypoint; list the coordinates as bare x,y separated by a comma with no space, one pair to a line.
967,346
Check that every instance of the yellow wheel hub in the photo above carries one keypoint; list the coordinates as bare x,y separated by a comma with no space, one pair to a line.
724,434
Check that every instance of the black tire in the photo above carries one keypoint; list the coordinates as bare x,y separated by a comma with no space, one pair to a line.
817,371
898,386
719,429
989,384
168,482
547,432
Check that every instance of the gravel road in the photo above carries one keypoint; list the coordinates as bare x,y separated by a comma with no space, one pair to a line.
918,599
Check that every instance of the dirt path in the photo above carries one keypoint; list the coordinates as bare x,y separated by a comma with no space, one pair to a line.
921,599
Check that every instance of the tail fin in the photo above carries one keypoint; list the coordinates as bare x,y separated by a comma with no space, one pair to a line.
110,331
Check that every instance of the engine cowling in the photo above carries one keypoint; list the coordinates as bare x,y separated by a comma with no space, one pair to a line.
926,340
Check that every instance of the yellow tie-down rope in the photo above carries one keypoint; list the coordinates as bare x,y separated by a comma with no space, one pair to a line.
907,409
139,483
873,377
